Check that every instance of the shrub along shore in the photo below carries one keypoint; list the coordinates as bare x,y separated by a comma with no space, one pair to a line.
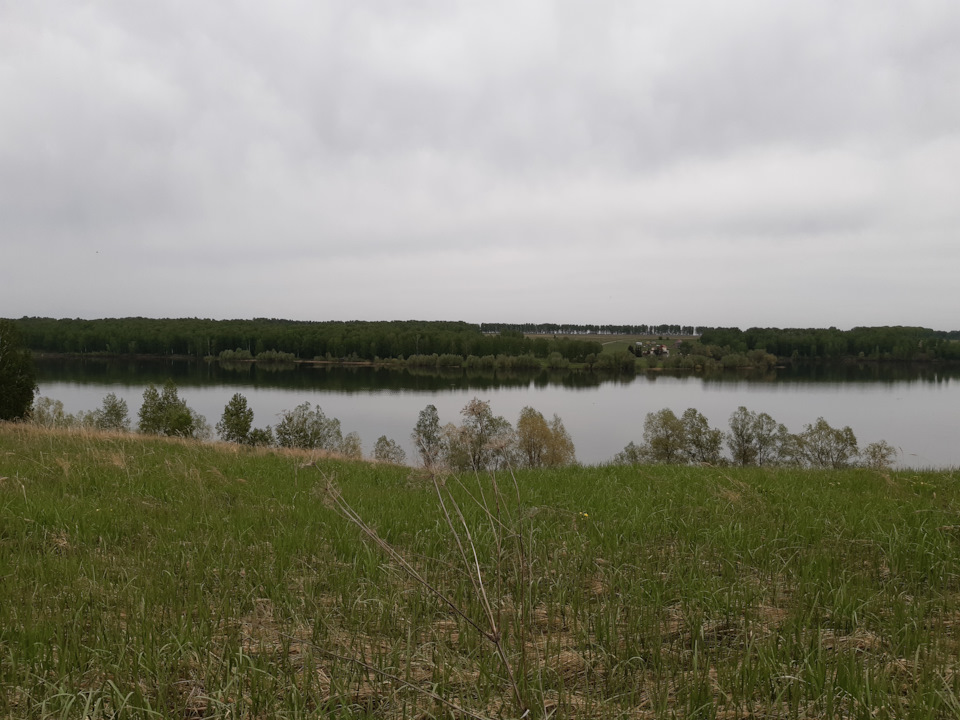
485,441
146,577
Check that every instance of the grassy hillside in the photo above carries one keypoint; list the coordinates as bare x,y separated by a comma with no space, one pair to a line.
142,577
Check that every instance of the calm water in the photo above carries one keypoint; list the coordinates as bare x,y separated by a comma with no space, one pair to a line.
915,409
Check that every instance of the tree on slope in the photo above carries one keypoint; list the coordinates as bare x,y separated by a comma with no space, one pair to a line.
387,450
488,438
664,438
18,382
427,436
309,429
824,446
703,442
758,439
235,423
112,415
164,412
533,437
742,437
543,444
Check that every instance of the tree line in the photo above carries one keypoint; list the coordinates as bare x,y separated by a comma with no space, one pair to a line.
332,340
371,341
874,343
484,441
481,441
753,439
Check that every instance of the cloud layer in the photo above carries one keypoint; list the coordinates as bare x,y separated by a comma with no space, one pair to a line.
741,163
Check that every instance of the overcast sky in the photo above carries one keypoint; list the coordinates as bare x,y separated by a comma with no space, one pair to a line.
742,162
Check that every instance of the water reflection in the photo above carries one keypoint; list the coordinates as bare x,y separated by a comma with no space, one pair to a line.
345,378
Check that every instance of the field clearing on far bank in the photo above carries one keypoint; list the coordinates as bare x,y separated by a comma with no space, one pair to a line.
613,343
145,577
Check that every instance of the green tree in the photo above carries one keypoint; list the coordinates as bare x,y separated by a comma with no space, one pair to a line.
49,413
703,443
309,429
351,446
879,455
111,415
762,359
617,361
488,437
261,437
632,454
533,437
387,450
771,440
556,361
742,437
685,348
164,412
18,380
455,447
560,450
236,421
758,439
827,447
542,444
427,436
664,438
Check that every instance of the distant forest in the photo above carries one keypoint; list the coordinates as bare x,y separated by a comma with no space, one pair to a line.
353,340
357,340
875,343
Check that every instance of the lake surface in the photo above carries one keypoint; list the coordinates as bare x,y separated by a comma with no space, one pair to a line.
916,409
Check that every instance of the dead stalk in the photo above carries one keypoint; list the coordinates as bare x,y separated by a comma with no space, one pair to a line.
470,560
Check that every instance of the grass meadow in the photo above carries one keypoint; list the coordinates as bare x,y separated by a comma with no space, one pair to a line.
151,578
616,343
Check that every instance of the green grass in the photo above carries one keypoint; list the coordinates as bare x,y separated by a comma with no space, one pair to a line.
617,343
142,577
622,343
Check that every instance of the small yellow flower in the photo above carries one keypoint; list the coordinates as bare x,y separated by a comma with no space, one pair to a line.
583,514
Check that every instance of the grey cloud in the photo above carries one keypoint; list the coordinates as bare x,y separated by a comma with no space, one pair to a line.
407,147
